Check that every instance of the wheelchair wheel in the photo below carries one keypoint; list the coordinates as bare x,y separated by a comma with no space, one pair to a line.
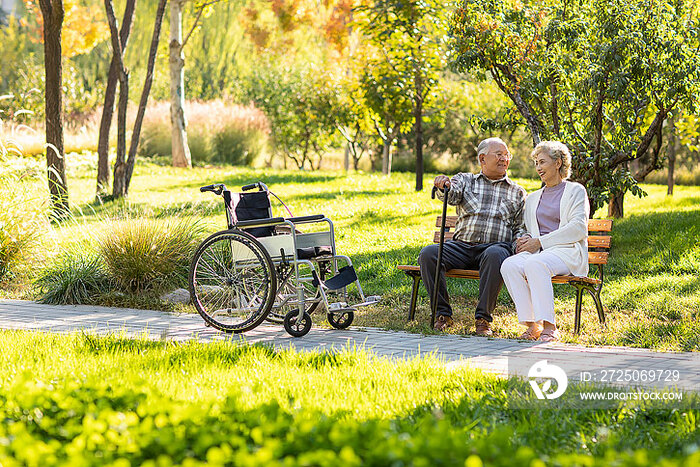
341,320
297,327
232,281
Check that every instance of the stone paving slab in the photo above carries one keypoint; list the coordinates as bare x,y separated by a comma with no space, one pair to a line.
500,356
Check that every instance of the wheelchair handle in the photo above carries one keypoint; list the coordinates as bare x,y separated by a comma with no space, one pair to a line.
216,188
259,185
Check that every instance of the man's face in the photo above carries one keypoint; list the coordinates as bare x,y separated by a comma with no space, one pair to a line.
494,164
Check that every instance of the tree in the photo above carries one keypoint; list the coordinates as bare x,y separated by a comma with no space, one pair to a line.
302,105
52,13
383,83
123,168
603,77
181,151
108,107
410,36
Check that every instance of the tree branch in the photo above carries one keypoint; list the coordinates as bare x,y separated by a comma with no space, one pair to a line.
654,163
196,20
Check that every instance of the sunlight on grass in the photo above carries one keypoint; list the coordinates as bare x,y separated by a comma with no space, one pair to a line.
89,400
381,222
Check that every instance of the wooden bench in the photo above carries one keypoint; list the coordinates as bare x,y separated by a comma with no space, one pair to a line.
598,251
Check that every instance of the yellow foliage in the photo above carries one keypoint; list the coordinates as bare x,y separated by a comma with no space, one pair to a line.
84,26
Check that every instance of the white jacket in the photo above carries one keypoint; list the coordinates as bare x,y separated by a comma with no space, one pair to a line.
570,241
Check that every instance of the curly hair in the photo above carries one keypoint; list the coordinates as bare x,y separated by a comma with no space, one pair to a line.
556,151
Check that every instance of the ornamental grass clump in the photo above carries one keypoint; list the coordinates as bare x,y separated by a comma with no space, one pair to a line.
149,254
23,218
73,278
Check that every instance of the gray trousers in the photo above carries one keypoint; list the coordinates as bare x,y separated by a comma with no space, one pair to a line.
486,257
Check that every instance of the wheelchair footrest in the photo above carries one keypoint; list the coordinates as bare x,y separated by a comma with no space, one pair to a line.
346,276
371,300
340,308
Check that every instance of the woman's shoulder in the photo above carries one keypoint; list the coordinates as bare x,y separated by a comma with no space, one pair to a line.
575,187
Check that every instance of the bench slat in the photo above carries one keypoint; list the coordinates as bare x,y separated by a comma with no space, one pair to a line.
598,257
594,241
450,222
594,225
600,225
436,236
471,274
599,241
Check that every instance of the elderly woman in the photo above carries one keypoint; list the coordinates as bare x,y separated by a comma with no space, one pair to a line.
556,219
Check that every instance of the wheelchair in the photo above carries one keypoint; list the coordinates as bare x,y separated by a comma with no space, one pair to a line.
268,268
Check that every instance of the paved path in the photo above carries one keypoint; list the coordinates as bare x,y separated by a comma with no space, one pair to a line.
501,356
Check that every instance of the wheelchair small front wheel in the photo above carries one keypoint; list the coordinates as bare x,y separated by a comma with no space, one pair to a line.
232,281
297,327
341,320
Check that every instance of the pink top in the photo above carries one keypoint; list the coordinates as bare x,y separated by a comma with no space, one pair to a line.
548,209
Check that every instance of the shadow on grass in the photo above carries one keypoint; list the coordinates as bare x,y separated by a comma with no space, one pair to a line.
141,210
656,242
235,181
686,334
331,195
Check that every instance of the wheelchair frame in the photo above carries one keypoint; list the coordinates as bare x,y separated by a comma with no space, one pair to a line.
284,265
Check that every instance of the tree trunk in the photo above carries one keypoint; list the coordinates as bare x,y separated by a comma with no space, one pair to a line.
672,149
180,149
108,108
53,13
136,134
386,157
118,187
616,205
346,157
418,117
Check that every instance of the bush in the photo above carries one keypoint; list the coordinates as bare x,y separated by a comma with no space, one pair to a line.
22,218
73,279
143,254
217,132
238,146
682,176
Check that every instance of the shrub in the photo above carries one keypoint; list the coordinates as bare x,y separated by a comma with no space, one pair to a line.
72,279
143,254
22,217
237,146
682,176
216,131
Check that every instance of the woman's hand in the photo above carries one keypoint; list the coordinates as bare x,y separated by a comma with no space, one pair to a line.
520,241
531,245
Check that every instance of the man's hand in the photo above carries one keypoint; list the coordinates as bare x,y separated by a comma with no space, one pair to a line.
528,244
442,181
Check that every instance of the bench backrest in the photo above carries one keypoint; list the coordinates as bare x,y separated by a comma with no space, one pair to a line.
598,237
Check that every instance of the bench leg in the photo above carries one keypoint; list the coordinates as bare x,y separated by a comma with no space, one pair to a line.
598,305
577,312
414,297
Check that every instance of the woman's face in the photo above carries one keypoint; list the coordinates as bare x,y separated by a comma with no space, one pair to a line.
548,169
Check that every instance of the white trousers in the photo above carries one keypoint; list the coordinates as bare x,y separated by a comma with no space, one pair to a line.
528,278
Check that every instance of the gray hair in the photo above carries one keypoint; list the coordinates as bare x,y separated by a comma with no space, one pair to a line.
557,152
486,144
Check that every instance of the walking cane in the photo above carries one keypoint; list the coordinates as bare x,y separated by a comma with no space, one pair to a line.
433,301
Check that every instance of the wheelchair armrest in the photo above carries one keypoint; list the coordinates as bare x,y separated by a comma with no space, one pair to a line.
303,219
259,222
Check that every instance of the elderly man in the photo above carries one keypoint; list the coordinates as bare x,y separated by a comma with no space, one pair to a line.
490,219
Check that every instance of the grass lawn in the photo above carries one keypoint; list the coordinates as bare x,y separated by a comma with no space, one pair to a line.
81,400
652,290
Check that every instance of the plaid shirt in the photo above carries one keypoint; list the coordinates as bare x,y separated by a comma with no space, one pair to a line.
488,210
